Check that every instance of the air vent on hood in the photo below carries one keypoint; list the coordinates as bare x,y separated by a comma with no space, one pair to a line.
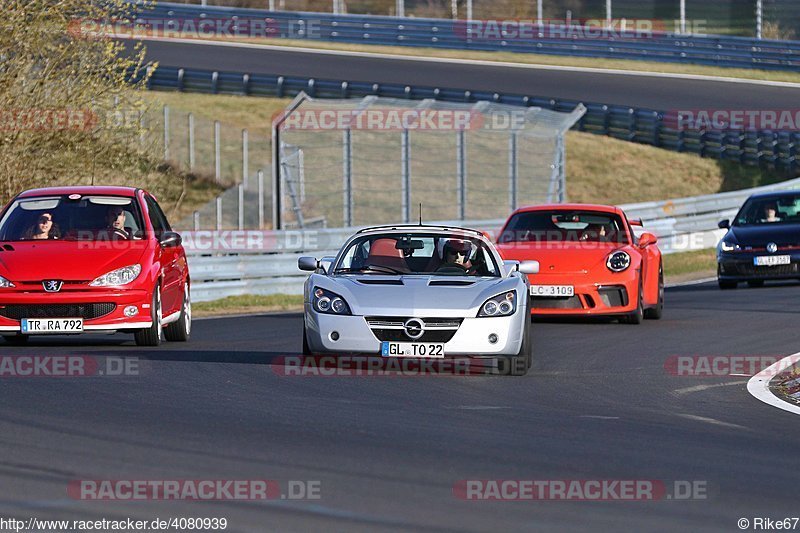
381,281
8,248
449,283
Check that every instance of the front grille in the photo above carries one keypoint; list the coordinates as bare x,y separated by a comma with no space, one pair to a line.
573,302
749,269
392,329
613,296
85,311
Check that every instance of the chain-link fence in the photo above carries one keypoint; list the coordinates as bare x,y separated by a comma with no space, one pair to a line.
375,160
781,18
214,151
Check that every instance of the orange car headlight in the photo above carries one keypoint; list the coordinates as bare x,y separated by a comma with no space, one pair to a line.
618,261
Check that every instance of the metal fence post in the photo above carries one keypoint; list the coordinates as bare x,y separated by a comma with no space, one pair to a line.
245,157
461,172
683,17
539,17
219,213
191,141
347,176
196,220
272,5
608,14
241,206
512,171
217,162
405,171
759,18
260,175
166,133
469,9
142,129
401,8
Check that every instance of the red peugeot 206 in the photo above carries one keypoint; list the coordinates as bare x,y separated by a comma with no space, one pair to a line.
91,259
592,262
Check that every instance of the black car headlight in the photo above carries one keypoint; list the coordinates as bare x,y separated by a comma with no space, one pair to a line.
329,302
618,261
728,246
501,305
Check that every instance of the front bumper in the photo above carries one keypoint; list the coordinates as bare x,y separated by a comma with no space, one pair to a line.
470,339
53,303
615,294
740,266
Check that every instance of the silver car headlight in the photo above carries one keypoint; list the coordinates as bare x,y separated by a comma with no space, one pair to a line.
120,276
5,284
329,303
618,261
501,305
727,246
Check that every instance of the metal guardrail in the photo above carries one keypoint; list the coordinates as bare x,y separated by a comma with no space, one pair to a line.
265,262
726,51
764,148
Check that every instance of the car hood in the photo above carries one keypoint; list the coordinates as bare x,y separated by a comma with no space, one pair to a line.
422,296
761,235
569,257
66,260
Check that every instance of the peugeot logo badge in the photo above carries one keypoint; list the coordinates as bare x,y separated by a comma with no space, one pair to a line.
414,328
772,247
52,285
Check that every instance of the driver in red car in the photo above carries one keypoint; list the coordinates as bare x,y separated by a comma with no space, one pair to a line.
115,219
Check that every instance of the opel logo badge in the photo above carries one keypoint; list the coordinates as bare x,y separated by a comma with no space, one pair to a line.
772,247
414,328
52,285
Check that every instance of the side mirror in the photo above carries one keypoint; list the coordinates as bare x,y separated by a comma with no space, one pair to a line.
724,224
636,222
309,264
646,239
529,267
170,239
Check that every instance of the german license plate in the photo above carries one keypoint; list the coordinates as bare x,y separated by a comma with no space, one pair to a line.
412,349
552,291
44,326
772,260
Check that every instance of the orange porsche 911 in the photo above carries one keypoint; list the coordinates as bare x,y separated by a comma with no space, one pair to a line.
591,262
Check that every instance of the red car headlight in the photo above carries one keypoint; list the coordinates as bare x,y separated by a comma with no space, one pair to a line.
120,276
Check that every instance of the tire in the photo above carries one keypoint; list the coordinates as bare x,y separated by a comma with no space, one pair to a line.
16,340
306,347
180,330
727,285
655,313
637,316
152,336
519,364
755,283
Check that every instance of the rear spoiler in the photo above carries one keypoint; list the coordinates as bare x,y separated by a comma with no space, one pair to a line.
636,222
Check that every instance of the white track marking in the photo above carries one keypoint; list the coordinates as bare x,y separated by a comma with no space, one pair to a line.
687,283
700,388
712,421
758,385
456,61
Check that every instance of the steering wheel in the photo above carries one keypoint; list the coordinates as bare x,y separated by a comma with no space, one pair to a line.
451,268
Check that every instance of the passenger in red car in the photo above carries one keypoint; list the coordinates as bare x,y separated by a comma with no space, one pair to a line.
44,228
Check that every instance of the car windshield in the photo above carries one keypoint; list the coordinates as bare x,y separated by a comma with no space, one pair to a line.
769,210
72,217
418,253
564,226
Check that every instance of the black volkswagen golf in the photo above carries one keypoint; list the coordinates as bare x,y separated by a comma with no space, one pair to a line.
763,241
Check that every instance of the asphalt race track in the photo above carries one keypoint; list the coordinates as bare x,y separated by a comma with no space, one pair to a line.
639,91
387,451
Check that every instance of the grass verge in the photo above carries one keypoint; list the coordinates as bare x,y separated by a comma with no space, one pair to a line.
249,303
688,266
